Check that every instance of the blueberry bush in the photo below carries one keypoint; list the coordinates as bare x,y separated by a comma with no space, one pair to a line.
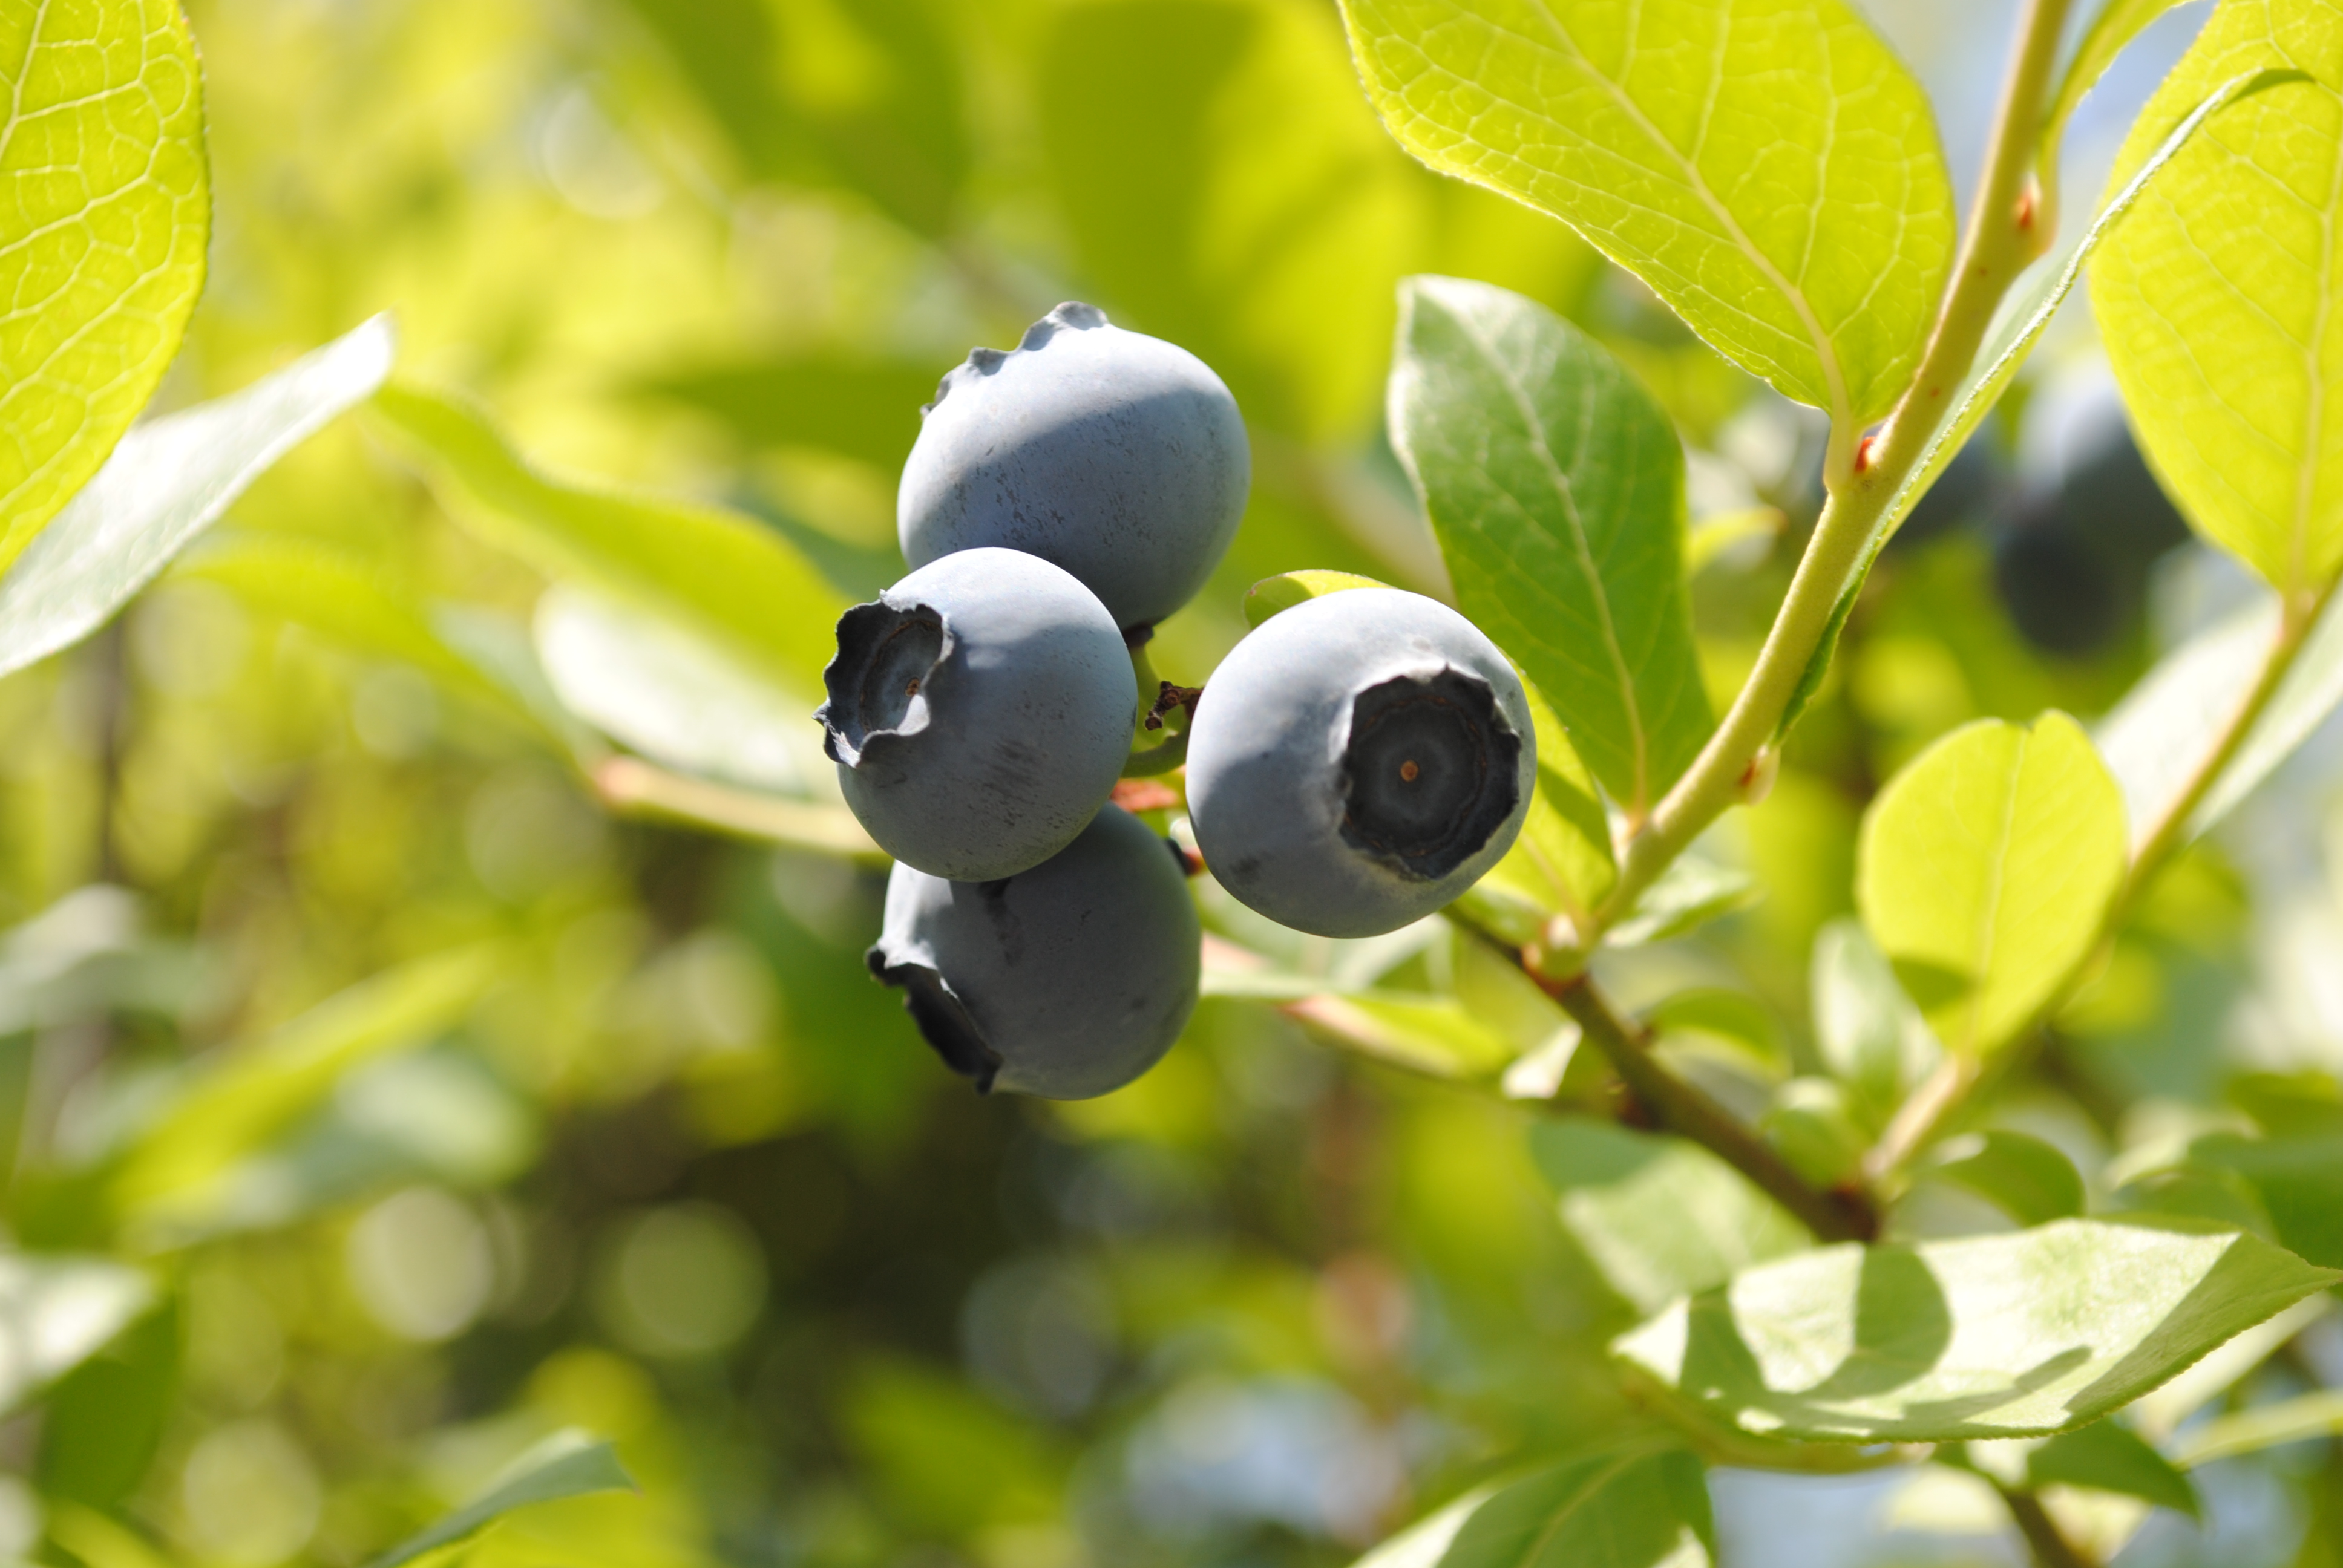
1611,753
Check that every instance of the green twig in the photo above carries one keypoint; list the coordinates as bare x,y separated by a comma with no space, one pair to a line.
2002,237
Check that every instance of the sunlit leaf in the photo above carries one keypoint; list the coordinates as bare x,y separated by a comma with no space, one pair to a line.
567,1464
56,1311
1866,1029
2252,1429
233,1102
1556,486
1660,1217
1283,591
2116,24
1987,1336
1560,864
1632,1510
1690,893
1771,172
706,569
1428,1034
2019,321
2108,1456
2299,1181
1813,1121
1985,870
2024,1178
102,225
2216,300
166,482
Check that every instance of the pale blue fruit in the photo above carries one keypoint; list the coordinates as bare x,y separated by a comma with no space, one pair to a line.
1117,456
1068,980
979,713
1359,762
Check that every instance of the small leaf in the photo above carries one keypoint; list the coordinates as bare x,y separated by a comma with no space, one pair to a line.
2217,301
567,1464
2017,324
1987,1336
1659,1216
2116,24
2024,1178
103,229
708,570
1867,1031
1632,1510
1556,486
2259,1427
1985,870
166,482
1285,590
1771,172
1428,1034
1813,1123
2108,1456
1691,892
55,1311
1560,864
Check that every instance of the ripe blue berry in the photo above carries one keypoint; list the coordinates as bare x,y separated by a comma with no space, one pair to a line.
1359,762
1117,456
1068,980
979,712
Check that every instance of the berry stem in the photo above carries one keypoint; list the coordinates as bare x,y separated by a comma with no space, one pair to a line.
2003,237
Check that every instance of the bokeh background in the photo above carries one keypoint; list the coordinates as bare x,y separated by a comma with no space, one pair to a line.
679,1172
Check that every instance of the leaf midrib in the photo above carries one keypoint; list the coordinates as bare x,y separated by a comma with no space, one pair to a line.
1842,410
1534,428
1563,1515
2313,361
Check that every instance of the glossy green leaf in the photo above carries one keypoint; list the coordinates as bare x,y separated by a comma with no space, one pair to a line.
56,1311
104,221
1659,1216
233,1101
2024,1178
166,482
1560,864
1771,171
1283,591
1867,1031
1632,1510
1690,893
1985,870
1556,486
2299,1181
1989,1336
706,569
2108,1456
567,1464
674,697
2017,324
2216,300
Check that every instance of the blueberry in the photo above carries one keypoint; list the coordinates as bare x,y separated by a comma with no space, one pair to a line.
1359,762
979,712
1067,980
1117,456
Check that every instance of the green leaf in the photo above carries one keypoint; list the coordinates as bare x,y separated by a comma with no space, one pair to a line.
1866,1031
2116,24
2299,1181
1659,1216
1690,893
1985,870
1987,1336
2024,1178
1556,486
166,482
1771,171
1560,864
1633,1510
58,1310
103,229
2017,324
1812,1121
235,1102
2217,301
713,572
102,1421
1437,1036
2168,724
2108,1456
1283,591
567,1464
859,408
2250,1431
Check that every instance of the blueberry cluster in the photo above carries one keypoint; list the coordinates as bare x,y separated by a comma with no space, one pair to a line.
1358,761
